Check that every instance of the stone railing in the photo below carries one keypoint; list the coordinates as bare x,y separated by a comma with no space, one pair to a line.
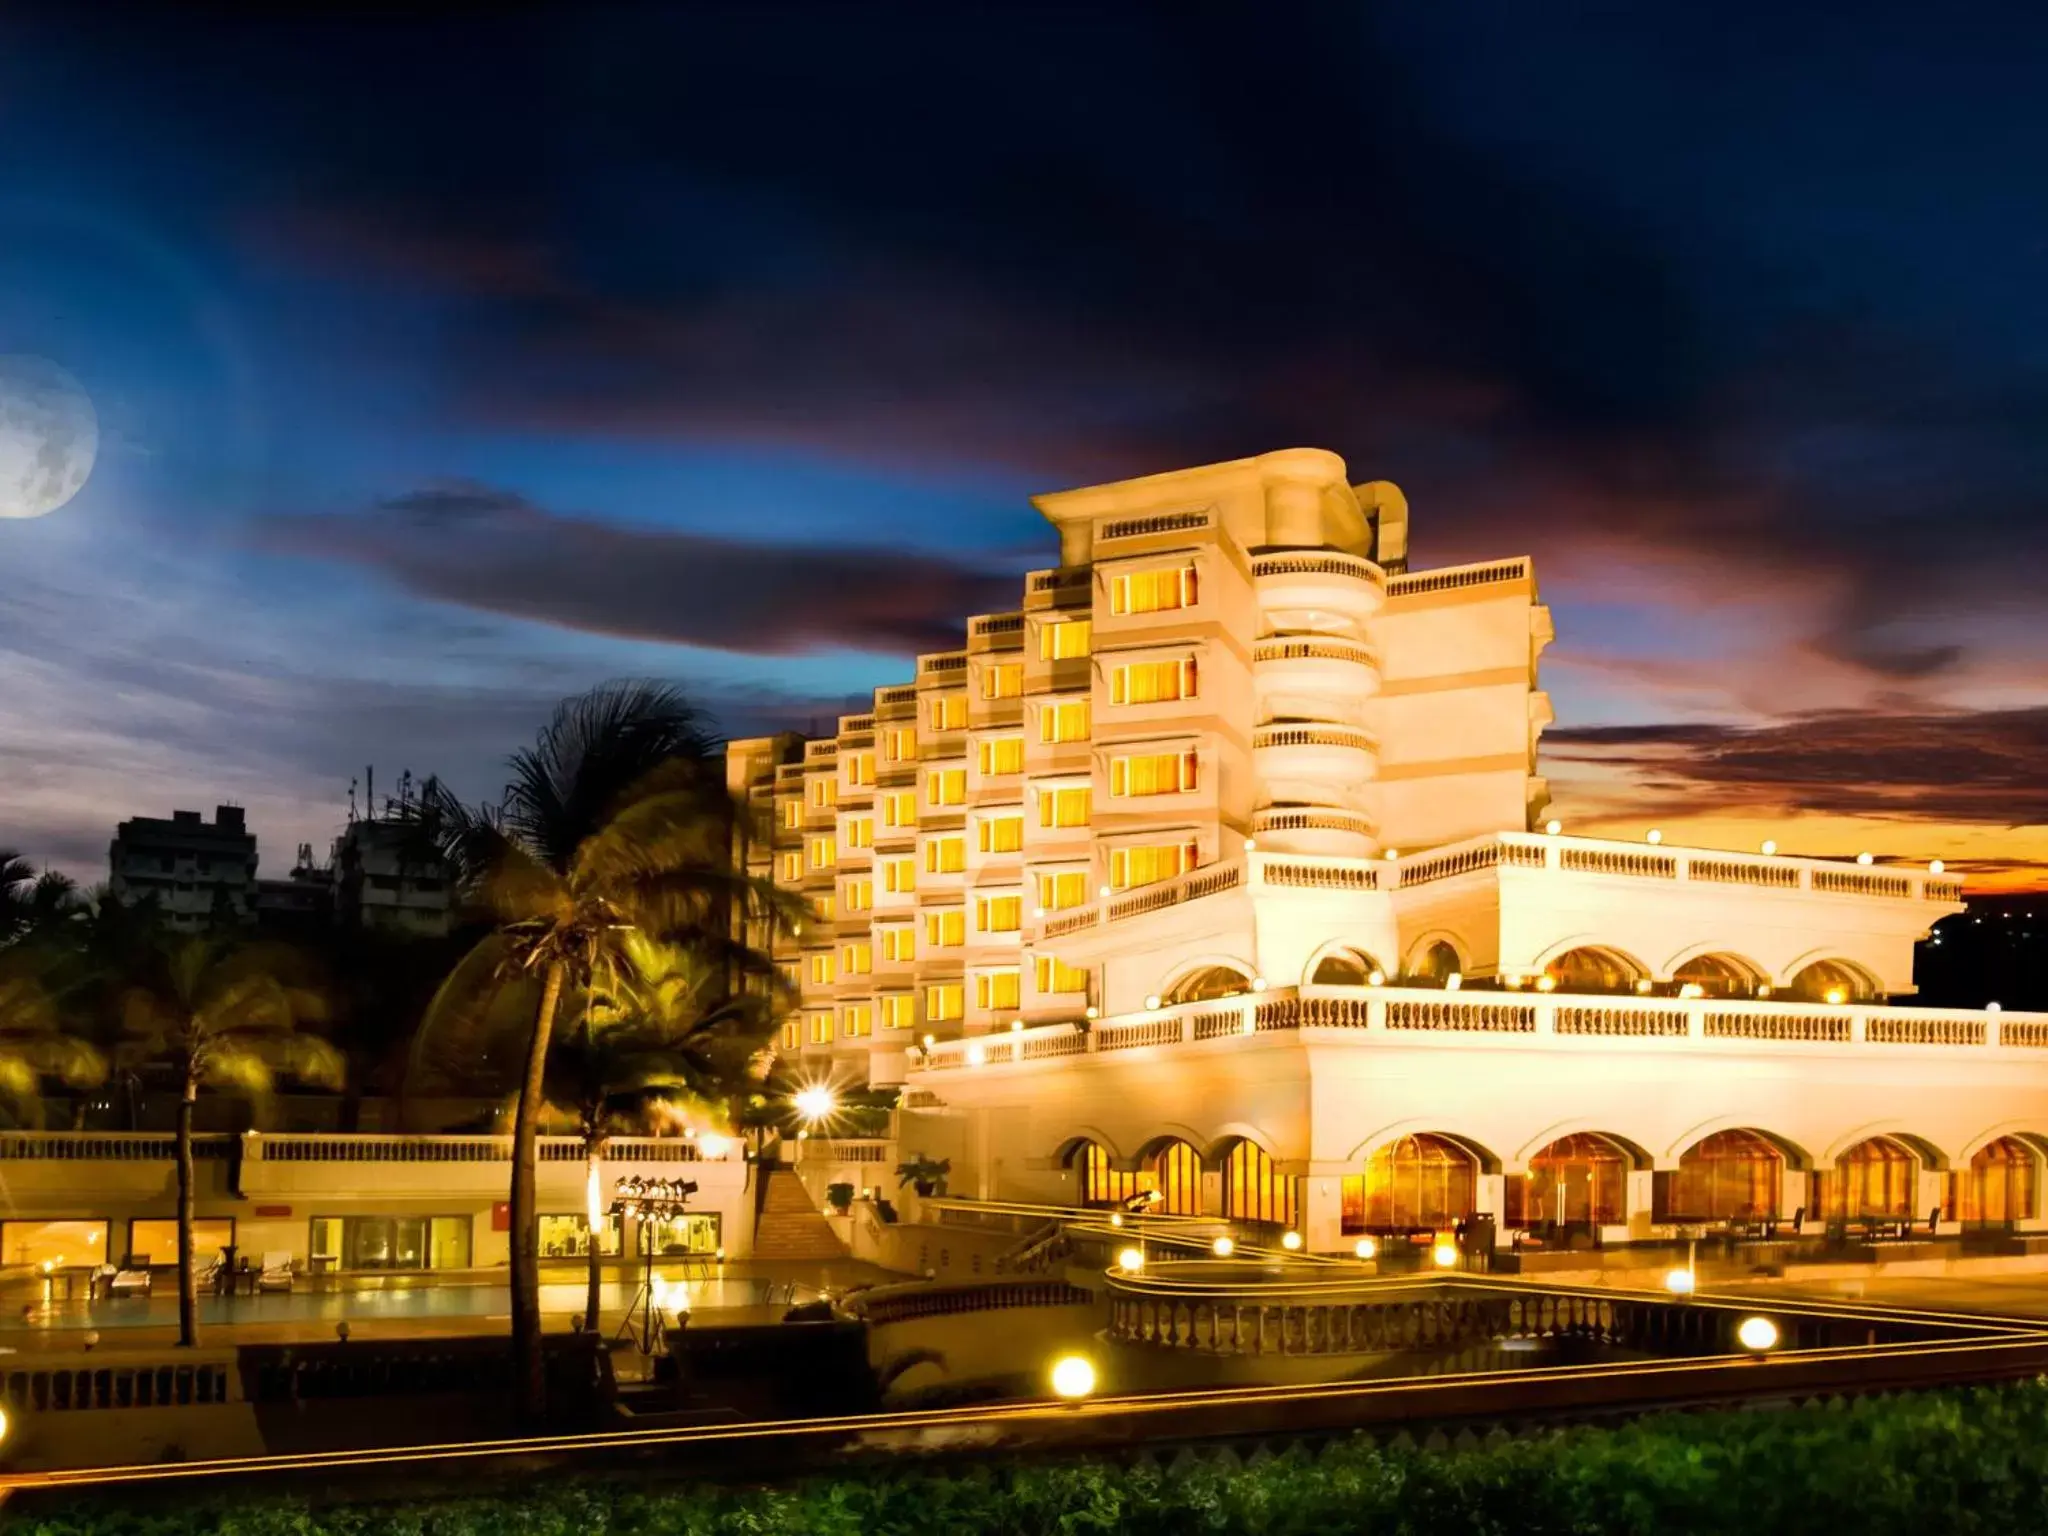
1321,735
999,624
1318,562
899,693
99,1146
830,1149
344,1148
1207,880
1451,578
1316,819
1305,648
895,1304
1575,1020
1145,527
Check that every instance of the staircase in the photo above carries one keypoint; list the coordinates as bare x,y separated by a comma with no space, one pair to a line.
789,1224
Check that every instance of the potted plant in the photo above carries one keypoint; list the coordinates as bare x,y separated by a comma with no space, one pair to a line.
924,1174
839,1197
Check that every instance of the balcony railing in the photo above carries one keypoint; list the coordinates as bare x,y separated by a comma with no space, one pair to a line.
1565,1018
1318,562
1453,578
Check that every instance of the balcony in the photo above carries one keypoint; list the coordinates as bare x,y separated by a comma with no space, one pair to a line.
1320,591
1312,764
1314,678
1325,832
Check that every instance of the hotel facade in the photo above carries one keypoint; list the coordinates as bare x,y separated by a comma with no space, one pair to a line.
1221,866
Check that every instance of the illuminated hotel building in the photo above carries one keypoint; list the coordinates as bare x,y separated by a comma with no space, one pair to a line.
1221,865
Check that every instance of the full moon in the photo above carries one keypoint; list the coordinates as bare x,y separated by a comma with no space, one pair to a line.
49,436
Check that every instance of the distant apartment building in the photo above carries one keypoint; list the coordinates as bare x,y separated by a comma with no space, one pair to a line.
388,877
195,870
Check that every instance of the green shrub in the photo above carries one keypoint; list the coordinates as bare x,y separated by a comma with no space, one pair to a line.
1909,1466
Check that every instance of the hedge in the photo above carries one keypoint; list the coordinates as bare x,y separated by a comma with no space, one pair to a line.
1916,1465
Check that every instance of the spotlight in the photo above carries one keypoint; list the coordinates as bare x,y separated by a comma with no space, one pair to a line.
1991,1008
1444,1255
712,1145
1770,846
1116,1218
1090,1012
816,1103
1546,983
1251,845
1453,982
1365,1248
1016,1025
1258,983
1679,1282
976,1055
1376,979
1393,853
1656,835
1223,1247
1152,1002
1553,826
1935,866
1073,1377
1291,1241
1643,987
1863,858
1838,995
1102,891
1757,1334
1130,1261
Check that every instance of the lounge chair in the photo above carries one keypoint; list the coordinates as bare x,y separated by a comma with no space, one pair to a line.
132,1278
276,1274
209,1272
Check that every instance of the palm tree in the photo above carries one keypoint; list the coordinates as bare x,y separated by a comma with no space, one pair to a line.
34,1044
34,902
616,822
662,1031
214,1013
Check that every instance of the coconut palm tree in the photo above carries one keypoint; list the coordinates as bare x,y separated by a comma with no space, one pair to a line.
616,822
214,1013
35,1045
34,902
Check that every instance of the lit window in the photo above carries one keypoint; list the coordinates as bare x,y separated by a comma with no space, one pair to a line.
949,712
856,1021
1153,682
1063,639
1154,773
946,786
824,791
899,745
1001,755
860,831
792,814
1055,975
945,929
998,914
821,969
899,875
1002,834
1002,680
860,768
793,864
1066,721
860,895
792,1035
945,855
1063,807
821,1029
899,943
1068,888
1172,586
824,853
943,1002
1142,866
899,1011
996,989
856,959
899,808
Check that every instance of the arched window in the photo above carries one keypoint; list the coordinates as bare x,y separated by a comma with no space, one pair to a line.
1577,1178
1998,1186
1731,1174
1253,1190
1415,1181
1175,1170
1345,968
1591,968
1211,981
1100,1180
1437,963
1719,976
1835,981
1877,1177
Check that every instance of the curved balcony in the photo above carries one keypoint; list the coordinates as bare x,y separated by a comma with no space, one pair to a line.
1323,831
1322,591
1312,763
1314,677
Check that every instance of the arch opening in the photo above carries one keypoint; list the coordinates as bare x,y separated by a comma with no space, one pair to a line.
1719,975
1418,1181
1835,981
1595,968
1436,963
1344,968
1097,1179
1255,1190
2001,1186
1877,1178
1207,983
1732,1175
1174,1168
1578,1180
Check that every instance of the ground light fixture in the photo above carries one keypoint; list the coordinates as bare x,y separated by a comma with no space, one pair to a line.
1365,1248
1444,1255
1757,1334
1223,1247
1680,1282
1073,1377
1291,1241
1130,1261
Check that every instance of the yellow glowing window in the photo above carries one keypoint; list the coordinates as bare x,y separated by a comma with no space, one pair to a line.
943,1002
1055,975
998,914
821,969
1002,834
946,786
949,712
899,943
1001,755
946,929
945,855
899,1011
821,1029
1063,807
860,768
1154,773
824,791
792,814
900,744
899,808
856,1020
1002,680
1063,722
1172,586
996,989
860,895
824,852
860,831
899,875
793,865
857,959
792,1035
1068,888
1144,865
1153,682
1063,640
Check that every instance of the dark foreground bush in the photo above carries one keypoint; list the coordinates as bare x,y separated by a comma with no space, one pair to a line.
1924,1465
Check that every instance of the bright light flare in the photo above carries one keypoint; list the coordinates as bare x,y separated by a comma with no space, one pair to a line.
1445,1255
1366,1248
1757,1334
1073,1376
1291,1241
817,1103
1223,1247
1680,1282
1130,1261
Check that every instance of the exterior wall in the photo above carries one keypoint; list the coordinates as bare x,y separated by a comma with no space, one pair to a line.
189,865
